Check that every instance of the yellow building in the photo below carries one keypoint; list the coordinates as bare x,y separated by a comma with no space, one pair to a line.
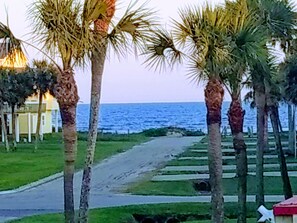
26,116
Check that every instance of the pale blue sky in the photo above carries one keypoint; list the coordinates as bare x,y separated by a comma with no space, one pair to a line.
125,81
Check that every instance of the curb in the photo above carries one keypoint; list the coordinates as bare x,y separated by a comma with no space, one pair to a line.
34,184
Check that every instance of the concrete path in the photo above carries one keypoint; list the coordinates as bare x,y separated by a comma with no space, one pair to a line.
230,144
185,177
108,177
226,157
225,167
228,150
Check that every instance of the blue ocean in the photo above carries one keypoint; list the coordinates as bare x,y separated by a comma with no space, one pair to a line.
122,118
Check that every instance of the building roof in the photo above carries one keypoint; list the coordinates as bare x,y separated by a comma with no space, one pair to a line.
286,208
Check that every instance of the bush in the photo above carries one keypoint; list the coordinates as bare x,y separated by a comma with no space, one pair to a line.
156,132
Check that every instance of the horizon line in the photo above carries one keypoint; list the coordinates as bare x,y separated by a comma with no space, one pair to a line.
153,102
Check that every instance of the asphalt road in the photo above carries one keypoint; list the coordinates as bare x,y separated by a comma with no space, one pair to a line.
108,177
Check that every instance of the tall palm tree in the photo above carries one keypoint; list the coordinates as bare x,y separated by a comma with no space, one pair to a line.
132,29
274,96
290,70
45,79
277,19
203,35
65,31
248,45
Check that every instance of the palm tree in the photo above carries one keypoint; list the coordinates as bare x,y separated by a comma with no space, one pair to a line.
274,96
65,30
3,92
203,34
45,79
248,45
19,87
290,69
11,47
276,18
131,29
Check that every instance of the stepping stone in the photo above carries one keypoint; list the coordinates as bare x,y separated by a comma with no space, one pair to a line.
228,150
251,143
276,174
184,177
193,168
198,150
227,157
225,167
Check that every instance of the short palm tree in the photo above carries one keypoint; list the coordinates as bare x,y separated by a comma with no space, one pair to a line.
10,46
203,35
131,30
45,79
19,86
3,92
64,29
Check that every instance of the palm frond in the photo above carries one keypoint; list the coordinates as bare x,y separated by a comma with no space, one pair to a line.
11,48
161,51
93,9
289,70
204,34
276,16
248,44
57,24
133,30
196,72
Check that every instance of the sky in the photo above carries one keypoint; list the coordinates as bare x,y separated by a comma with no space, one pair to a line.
126,80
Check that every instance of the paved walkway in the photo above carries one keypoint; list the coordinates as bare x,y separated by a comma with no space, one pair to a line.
226,157
230,150
225,167
201,176
108,177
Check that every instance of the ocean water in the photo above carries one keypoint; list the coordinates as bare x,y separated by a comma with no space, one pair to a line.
122,118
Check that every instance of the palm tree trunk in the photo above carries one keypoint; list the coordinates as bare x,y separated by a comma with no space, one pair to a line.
291,129
37,134
279,122
68,115
294,129
214,94
4,129
98,60
266,143
260,104
281,157
236,118
101,26
13,127
66,93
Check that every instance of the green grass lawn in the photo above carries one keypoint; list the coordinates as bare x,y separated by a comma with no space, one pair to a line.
187,212
23,166
266,169
185,188
228,138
